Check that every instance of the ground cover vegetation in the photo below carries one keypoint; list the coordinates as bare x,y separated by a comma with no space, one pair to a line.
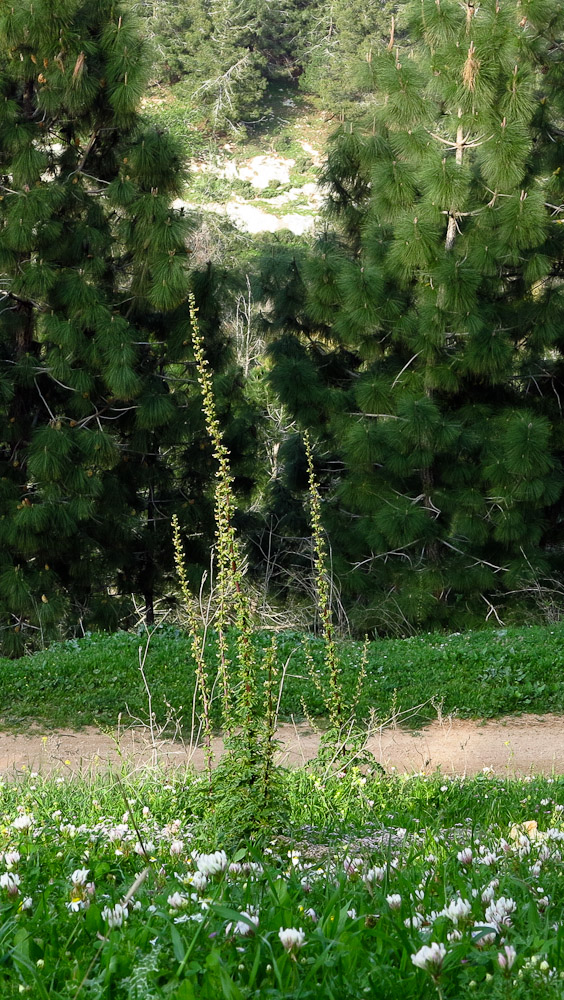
444,887
95,680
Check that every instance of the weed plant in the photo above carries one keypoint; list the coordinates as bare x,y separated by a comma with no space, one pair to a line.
246,789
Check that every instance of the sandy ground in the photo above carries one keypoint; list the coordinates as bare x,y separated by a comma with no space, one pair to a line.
260,171
531,744
253,218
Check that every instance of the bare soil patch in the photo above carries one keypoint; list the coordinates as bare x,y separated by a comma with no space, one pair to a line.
514,745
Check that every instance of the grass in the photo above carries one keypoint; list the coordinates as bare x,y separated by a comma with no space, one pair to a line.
473,866
286,125
280,130
165,111
480,674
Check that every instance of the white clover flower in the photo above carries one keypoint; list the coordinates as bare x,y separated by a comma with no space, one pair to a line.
465,856
482,936
23,822
26,903
352,914
311,914
177,901
374,875
353,866
80,876
118,832
506,958
524,848
198,880
241,927
394,901
488,859
291,938
143,849
415,922
211,864
430,957
10,881
498,912
457,909
176,847
488,894
10,858
114,915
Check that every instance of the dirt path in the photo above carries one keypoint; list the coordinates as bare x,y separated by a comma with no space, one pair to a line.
260,172
529,744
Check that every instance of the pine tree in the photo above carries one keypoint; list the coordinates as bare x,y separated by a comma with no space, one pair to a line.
100,424
178,34
229,73
431,317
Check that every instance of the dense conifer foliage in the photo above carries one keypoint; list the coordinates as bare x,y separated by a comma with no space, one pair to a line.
419,340
422,340
101,427
223,52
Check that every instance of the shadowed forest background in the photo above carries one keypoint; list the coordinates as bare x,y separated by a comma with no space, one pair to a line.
415,329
